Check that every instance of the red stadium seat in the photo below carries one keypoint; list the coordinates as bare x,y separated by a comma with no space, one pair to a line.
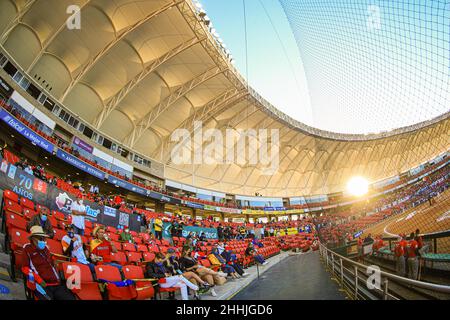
126,246
144,288
54,246
8,194
142,248
59,234
148,256
15,221
89,290
26,203
134,257
12,206
29,213
119,257
110,273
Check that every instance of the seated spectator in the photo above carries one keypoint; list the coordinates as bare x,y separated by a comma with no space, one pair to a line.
217,260
41,219
188,263
38,268
172,263
230,258
126,236
101,248
167,279
251,251
73,247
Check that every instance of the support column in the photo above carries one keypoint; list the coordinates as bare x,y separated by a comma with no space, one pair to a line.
160,206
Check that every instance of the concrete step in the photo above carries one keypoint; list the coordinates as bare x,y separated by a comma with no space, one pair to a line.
2,242
5,266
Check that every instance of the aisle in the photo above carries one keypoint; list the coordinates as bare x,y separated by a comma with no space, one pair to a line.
298,277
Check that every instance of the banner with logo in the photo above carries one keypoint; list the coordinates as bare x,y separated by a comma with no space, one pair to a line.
25,131
83,145
193,204
38,191
162,197
210,233
126,185
80,164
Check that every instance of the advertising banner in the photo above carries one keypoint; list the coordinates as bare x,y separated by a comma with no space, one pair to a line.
210,233
162,197
193,204
126,185
80,164
83,145
38,191
25,131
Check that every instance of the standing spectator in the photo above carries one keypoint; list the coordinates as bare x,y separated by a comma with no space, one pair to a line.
78,214
157,227
38,268
41,220
412,252
399,252
220,232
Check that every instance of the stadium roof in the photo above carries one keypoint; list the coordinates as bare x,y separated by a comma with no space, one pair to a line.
138,70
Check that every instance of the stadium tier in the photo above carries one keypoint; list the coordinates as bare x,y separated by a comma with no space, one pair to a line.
138,163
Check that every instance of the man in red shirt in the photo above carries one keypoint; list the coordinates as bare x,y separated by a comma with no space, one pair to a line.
399,252
38,268
412,251
101,248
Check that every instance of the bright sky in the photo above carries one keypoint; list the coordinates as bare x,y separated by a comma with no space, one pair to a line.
360,66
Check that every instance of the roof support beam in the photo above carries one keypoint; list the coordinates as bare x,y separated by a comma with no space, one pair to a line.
229,97
47,43
16,20
87,67
164,105
115,100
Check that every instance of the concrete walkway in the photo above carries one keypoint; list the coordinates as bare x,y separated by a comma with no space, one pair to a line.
297,277
231,287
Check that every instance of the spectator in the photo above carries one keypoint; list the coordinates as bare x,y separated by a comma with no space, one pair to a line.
250,251
399,252
41,219
78,214
73,247
412,252
126,236
101,247
38,268
157,270
157,227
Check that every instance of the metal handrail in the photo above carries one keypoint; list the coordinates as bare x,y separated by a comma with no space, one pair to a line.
390,276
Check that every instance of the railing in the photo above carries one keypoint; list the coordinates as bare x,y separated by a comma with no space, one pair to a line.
368,282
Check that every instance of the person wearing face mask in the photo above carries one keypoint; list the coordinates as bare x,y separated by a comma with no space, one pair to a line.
78,214
42,220
73,247
39,270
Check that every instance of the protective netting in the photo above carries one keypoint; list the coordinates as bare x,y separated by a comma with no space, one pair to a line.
373,65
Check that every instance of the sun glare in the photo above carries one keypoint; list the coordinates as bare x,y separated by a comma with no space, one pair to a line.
358,186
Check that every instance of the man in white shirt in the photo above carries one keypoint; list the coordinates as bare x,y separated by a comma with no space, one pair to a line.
78,214
73,247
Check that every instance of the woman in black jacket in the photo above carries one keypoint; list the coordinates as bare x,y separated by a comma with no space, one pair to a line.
159,270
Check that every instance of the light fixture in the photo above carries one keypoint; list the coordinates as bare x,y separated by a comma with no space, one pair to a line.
358,186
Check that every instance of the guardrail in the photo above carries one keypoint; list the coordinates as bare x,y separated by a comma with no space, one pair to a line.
359,280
